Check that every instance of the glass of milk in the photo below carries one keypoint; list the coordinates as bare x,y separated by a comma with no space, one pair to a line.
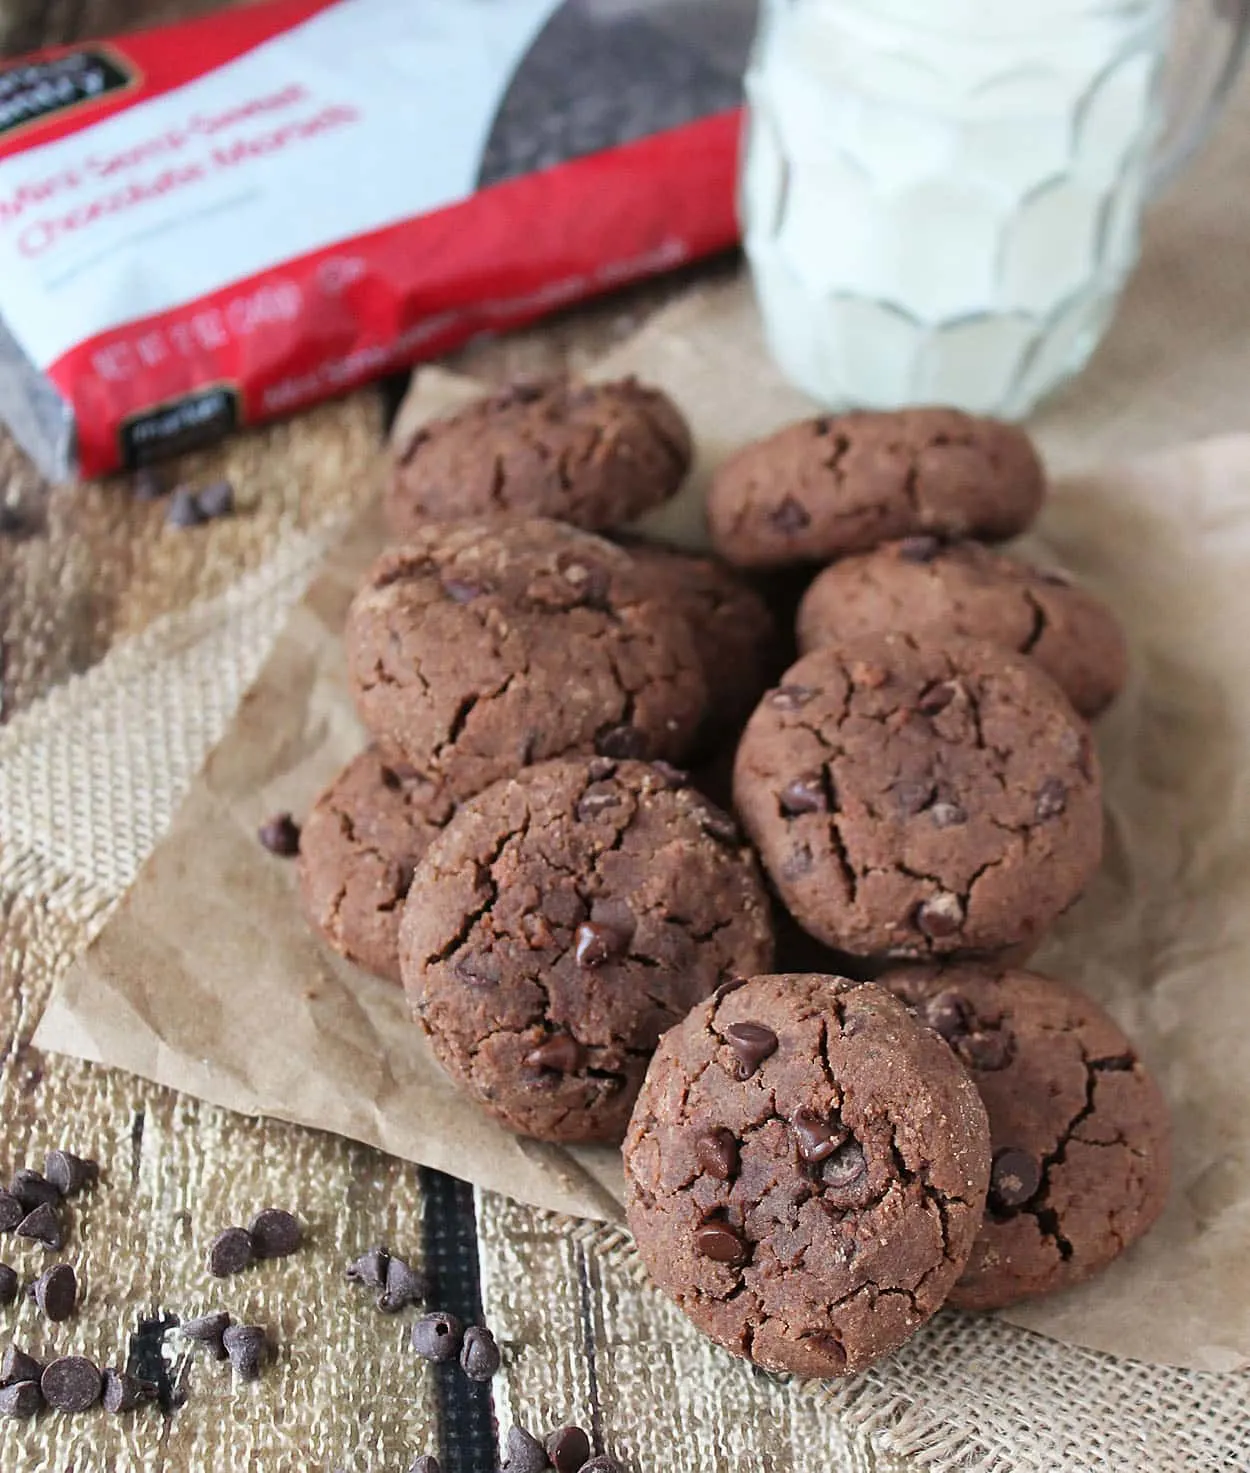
941,199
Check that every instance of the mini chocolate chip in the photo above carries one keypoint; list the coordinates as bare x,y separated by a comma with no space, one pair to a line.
673,777
1015,1178
122,1392
369,1269
44,1226
18,1366
948,1013
147,485
941,915
597,944
71,1384
918,549
986,1052
70,1174
31,1190
599,769
752,1043
790,697
598,799
184,509
230,1252
405,1285
208,1330
477,969
479,1355
56,1292
1052,799
817,1139
247,1347
804,795
830,1347
524,1453
215,501
735,984
275,1233
716,1151
602,1465
845,1166
569,1449
437,1337
21,1400
947,815
936,699
561,1053
426,1463
461,591
8,1285
624,742
11,1212
789,517
718,825
719,1242
280,835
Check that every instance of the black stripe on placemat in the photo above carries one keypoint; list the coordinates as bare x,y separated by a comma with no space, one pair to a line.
469,1438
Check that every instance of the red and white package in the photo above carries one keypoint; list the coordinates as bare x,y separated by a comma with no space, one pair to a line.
217,223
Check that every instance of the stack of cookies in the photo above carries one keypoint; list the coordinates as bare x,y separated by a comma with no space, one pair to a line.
589,943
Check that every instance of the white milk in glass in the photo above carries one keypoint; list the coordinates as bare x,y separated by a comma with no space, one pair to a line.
941,198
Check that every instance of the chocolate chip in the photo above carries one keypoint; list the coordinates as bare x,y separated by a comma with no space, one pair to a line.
56,1292
280,835
986,1052
71,1384
673,777
275,1233
790,697
817,1138
624,742
1052,799
461,591
598,944
230,1252
830,1348
215,501
716,1151
184,509
789,517
44,1226
599,769
18,1366
405,1285
1015,1178
20,1400
918,549
947,815
147,485
735,984
598,799
719,1242
479,1355
208,1330
426,1463
804,795
11,1212
438,1337
561,1053
523,1453
477,969
752,1043
247,1347
936,698
845,1166
569,1449
718,825
369,1269
948,1013
941,915
8,1285
123,1392
31,1190
68,1173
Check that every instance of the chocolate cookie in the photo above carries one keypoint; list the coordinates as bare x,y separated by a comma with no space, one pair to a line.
358,850
595,455
805,1172
565,919
479,649
829,486
923,586
732,627
910,798
1080,1130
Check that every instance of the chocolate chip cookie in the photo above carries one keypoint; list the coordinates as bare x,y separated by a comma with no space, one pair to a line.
805,1172
478,649
1080,1132
358,851
561,922
595,455
913,799
834,485
924,586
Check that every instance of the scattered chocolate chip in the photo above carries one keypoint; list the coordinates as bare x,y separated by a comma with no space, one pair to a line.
438,1337
735,984
426,1463
215,501
56,1292
44,1226
280,835
936,699
716,1151
479,1355
673,777
147,485
596,800
718,825
123,1392
918,549
1052,799
71,1384
1015,1178
600,769
790,697
598,944
752,1043
70,1174
461,591
31,1190
948,1013
247,1347
817,1138
986,1052
947,815
275,1233
22,1399
719,1242
561,1053
184,509
804,795
523,1453
624,742
569,1449
369,1269
405,1285
941,915
789,517
11,1212
230,1252
209,1330
477,969
8,1284
18,1366
845,1166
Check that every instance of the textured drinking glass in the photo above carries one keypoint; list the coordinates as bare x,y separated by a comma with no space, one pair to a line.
942,199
